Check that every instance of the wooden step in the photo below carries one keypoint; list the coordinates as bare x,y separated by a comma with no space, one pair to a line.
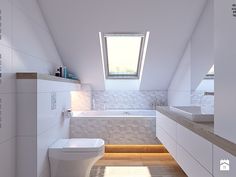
135,149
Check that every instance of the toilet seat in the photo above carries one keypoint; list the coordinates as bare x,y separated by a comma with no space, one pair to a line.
83,145
74,157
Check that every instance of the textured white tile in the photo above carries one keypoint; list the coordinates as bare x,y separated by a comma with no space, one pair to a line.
26,114
7,158
128,99
115,131
26,157
206,102
7,117
89,128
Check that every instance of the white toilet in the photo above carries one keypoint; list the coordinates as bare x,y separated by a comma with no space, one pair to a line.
74,157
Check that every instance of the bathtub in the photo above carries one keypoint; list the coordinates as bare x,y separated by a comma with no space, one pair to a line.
116,126
115,113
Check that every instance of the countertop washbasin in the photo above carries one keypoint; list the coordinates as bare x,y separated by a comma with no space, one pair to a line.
193,113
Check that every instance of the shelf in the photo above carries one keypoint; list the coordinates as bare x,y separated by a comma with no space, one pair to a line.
45,77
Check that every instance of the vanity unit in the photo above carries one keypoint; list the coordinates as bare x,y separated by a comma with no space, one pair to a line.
194,145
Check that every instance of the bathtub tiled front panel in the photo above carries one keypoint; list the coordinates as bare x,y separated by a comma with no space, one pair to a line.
115,130
128,99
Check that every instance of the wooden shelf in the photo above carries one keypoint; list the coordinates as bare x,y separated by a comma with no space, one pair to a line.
45,77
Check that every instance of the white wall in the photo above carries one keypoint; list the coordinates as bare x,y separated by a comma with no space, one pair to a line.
170,24
206,85
196,61
50,123
26,45
82,99
202,46
179,91
225,63
38,128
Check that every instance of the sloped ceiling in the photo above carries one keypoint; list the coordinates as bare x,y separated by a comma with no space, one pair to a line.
75,25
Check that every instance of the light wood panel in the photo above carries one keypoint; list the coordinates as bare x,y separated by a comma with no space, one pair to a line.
137,165
135,149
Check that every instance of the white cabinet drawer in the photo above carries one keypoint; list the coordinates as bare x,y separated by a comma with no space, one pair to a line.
199,148
167,141
166,124
190,166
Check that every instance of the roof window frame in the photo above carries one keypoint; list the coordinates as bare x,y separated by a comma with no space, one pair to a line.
106,60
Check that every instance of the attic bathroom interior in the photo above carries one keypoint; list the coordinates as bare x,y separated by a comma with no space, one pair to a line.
127,88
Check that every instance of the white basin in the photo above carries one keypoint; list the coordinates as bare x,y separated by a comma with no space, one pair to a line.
193,113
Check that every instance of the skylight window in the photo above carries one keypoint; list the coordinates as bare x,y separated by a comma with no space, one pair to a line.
122,55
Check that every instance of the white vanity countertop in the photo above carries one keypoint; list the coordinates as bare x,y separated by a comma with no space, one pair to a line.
205,130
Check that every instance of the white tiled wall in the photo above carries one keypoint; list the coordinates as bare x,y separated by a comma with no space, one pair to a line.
205,101
128,99
50,123
25,45
43,122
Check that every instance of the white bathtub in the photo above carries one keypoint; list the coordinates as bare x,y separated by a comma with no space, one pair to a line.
115,113
116,126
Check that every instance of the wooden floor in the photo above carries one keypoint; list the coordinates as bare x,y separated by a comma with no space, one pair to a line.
137,162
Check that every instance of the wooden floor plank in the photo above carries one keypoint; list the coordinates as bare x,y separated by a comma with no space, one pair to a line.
137,165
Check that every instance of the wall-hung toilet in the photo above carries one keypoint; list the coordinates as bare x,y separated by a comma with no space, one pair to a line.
74,157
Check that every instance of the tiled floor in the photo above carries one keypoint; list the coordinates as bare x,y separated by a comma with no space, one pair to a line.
137,165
